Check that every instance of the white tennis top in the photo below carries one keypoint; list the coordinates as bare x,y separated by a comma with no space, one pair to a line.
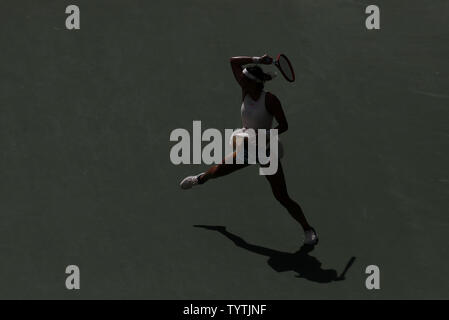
254,113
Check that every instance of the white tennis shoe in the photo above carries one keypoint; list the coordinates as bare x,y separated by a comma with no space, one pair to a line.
310,237
190,181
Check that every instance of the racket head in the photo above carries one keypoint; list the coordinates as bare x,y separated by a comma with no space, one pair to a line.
285,67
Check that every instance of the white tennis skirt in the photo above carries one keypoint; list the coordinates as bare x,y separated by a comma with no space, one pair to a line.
243,135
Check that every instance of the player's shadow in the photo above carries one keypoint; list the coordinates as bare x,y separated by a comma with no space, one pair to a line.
305,265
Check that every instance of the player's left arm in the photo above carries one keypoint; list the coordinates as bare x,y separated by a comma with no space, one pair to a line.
274,107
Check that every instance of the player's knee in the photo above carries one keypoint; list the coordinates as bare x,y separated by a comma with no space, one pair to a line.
283,198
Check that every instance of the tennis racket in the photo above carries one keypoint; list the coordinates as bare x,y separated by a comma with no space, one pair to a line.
285,67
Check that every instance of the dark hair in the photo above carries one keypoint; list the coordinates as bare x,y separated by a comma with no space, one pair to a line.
259,73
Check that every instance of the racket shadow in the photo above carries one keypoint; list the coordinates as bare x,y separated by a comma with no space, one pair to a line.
306,266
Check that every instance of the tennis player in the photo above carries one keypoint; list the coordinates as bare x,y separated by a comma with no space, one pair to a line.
258,110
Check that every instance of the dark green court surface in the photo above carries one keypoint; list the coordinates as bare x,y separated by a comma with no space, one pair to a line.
86,177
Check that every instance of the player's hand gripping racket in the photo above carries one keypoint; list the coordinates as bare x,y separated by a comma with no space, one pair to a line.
285,67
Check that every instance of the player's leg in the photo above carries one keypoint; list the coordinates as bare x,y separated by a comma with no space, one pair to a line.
213,172
279,188
219,170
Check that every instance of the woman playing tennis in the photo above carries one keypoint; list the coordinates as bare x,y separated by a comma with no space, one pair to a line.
258,110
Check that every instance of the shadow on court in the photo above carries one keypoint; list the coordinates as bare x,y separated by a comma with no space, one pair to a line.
305,265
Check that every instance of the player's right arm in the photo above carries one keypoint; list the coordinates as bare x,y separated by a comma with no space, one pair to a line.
237,64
